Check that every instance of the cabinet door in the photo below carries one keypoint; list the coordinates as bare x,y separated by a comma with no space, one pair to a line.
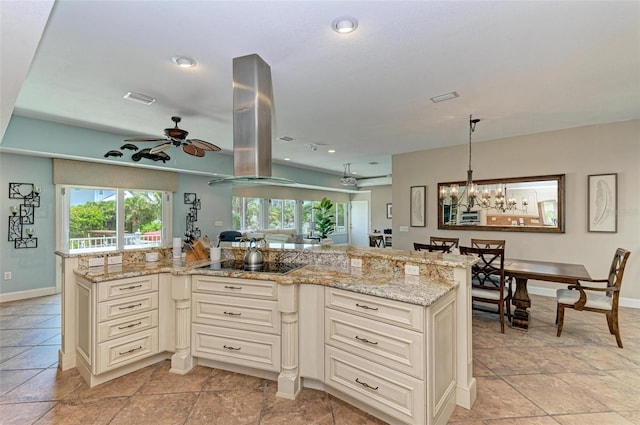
125,287
127,325
236,312
263,289
395,347
394,312
128,349
396,394
251,349
125,306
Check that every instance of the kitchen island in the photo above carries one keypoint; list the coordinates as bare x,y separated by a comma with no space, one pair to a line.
350,321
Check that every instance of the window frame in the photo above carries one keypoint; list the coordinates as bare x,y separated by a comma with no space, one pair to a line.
63,200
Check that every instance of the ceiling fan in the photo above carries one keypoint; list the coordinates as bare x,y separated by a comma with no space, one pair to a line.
177,137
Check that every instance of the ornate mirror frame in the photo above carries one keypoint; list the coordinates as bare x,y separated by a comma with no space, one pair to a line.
528,204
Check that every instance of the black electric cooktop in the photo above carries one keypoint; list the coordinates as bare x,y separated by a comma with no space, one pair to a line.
266,267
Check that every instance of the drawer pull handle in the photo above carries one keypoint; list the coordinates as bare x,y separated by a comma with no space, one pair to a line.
366,340
231,313
232,287
364,384
130,306
131,351
131,287
228,347
366,307
132,325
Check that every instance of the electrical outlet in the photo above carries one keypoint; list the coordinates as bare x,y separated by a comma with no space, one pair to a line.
114,260
218,223
412,270
356,262
7,275
96,261
404,228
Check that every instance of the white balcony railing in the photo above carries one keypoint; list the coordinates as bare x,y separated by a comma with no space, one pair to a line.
107,242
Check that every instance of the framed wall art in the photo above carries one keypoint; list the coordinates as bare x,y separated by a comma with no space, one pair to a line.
389,215
418,206
602,203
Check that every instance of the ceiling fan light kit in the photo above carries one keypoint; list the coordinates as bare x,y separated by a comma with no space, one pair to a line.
174,136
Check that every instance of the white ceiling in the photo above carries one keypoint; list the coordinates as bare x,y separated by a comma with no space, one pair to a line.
522,67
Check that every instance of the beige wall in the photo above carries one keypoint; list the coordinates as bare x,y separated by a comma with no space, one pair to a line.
577,152
380,197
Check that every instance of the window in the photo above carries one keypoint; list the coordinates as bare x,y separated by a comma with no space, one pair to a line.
247,213
250,214
282,214
105,219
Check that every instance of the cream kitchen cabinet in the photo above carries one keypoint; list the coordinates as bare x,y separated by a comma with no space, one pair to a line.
236,321
118,326
395,357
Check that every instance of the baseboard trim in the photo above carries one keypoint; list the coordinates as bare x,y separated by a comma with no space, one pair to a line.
23,295
550,292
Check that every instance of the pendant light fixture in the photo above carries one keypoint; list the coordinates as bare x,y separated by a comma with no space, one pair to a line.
347,179
470,188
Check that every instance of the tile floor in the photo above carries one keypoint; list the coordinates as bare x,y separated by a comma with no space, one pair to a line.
531,378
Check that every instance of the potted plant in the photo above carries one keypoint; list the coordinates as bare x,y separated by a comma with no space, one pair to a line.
325,220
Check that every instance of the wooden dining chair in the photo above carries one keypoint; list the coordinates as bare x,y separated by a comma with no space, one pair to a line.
429,247
599,299
496,243
488,243
450,242
488,280
376,241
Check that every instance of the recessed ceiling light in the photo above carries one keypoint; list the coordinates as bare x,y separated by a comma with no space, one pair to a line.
286,139
331,151
443,97
140,98
344,24
287,158
183,61
373,163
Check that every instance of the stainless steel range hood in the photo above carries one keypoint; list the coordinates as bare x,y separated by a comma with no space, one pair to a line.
252,106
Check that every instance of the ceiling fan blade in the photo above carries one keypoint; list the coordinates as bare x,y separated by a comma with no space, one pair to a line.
193,150
145,139
160,148
204,145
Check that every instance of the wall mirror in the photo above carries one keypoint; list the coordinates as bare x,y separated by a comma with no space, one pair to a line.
519,204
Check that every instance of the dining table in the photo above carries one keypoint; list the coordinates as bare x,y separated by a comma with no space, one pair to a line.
523,270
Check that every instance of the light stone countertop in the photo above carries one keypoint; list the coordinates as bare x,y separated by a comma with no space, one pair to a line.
420,290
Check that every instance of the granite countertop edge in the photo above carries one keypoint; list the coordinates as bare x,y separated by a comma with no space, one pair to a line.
419,290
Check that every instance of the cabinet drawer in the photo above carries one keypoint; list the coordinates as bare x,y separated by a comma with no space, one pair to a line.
395,347
127,325
380,309
264,289
394,393
240,313
127,349
252,349
124,287
123,307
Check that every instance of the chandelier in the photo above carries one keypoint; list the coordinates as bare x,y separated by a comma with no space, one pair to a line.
347,179
470,197
500,202
470,189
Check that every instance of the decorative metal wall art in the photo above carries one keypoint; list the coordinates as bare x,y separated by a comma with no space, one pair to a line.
23,214
192,232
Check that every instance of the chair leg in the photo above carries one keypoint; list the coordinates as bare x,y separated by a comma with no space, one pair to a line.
615,328
560,318
501,311
610,323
